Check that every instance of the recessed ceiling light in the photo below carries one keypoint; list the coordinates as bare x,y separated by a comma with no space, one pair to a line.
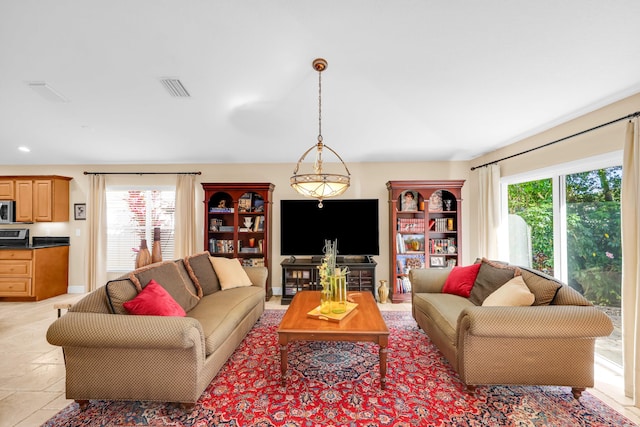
24,149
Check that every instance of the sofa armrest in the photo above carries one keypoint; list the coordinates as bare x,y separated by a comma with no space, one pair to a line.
534,322
429,280
258,275
98,330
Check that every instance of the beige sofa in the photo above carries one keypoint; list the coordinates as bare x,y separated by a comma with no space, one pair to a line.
550,342
110,354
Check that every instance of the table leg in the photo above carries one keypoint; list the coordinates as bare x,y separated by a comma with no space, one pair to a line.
283,364
383,363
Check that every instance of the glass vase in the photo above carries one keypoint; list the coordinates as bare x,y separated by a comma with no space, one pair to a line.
339,293
325,300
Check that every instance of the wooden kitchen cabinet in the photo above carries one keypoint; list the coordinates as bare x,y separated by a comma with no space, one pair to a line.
40,198
7,189
33,274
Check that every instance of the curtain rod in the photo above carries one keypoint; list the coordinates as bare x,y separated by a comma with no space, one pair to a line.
629,116
142,173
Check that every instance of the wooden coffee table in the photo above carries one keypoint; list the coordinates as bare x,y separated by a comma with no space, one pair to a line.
364,324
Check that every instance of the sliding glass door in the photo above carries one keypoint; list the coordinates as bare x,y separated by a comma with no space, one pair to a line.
567,225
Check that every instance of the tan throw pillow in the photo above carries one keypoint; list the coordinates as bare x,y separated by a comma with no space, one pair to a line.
514,293
230,272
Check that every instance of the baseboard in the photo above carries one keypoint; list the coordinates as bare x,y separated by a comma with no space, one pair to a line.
78,289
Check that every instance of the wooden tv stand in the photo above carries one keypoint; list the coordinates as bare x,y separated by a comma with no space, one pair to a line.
300,274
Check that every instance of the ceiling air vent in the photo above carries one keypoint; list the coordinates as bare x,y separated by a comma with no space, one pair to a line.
174,87
47,92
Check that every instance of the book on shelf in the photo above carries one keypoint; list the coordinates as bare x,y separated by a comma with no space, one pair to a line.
259,223
441,246
226,228
221,246
253,262
403,285
220,210
411,225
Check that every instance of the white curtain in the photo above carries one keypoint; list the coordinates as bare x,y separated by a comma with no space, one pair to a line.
185,216
630,207
488,211
97,222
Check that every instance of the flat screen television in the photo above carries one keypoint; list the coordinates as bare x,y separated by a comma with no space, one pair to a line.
304,226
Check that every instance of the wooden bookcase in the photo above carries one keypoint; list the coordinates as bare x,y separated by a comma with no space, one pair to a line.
425,229
237,223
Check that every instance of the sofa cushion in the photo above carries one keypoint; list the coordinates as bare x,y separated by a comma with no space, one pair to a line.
460,280
542,286
230,272
490,277
514,293
118,292
168,276
202,273
219,313
444,309
154,300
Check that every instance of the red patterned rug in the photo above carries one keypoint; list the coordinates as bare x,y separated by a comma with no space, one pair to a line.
337,384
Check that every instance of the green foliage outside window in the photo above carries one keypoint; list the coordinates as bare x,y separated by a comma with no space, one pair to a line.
594,253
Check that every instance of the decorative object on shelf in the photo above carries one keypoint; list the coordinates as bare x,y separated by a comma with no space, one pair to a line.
435,201
319,184
156,249
144,256
447,204
383,292
248,222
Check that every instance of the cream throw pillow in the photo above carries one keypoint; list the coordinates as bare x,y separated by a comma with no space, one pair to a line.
230,272
513,293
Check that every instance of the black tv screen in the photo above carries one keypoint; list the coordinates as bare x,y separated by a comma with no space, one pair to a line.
304,226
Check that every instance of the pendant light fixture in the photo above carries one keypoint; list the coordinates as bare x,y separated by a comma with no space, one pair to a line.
320,184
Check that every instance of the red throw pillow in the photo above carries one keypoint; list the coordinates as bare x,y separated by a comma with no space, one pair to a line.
154,300
461,280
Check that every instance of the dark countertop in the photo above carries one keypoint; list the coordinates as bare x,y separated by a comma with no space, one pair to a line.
47,245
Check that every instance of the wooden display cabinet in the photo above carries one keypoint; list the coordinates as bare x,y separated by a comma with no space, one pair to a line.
424,230
237,223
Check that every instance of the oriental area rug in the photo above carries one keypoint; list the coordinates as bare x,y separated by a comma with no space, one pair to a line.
338,384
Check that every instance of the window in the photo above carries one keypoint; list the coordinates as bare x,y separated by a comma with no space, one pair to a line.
132,214
566,222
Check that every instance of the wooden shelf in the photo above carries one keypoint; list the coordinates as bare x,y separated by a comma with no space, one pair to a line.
421,238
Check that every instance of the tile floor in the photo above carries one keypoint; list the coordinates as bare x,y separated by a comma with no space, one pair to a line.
32,371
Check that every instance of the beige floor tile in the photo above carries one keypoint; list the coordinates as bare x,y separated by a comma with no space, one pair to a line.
20,405
38,379
37,418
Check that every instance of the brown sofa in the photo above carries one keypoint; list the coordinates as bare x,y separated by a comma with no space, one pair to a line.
550,342
110,354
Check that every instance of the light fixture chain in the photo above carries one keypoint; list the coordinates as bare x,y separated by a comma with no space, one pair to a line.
319,106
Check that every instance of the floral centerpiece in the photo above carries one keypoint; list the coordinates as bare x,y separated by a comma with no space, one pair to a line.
333,280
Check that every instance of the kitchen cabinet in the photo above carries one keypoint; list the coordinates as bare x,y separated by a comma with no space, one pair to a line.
33,274
38,198
7,189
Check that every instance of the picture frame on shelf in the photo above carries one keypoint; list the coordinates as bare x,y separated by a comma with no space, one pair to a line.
437,261
435,201
409,201
80,211
245,203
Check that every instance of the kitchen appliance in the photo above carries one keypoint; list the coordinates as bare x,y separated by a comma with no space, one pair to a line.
14,237
7,211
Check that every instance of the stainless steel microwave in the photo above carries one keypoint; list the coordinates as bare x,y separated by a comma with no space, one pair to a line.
7,211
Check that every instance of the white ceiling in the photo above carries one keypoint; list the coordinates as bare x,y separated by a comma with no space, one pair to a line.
408,80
